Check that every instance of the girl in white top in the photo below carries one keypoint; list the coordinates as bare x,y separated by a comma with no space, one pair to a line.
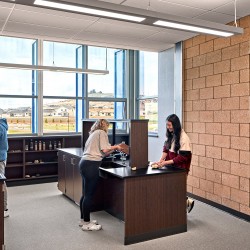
96,147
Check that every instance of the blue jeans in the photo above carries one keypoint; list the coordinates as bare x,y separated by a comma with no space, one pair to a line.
89,171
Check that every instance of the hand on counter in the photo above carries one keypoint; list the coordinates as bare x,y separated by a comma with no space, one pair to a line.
161,163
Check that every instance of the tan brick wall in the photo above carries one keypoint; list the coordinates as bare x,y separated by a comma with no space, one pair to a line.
217,117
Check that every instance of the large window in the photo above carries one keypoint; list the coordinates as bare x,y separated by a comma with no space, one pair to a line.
55,102
18,95
60,90
148,89
106,94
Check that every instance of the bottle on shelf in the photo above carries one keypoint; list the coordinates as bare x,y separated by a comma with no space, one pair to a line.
31,145
36,146
44,146
40,146
55,146
26,147
59,144
50,146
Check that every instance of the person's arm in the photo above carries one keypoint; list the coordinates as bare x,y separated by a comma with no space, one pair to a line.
163,157
108,151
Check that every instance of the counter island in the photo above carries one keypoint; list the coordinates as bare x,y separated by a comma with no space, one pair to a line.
151,202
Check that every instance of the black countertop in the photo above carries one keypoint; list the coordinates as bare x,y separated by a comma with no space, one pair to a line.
125,170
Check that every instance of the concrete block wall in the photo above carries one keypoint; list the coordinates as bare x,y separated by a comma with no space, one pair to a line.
217,117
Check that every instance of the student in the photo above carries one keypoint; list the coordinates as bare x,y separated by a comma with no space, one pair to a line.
3,157
97,146
177,149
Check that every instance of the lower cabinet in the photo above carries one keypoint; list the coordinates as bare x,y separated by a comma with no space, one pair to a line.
68,171
70,180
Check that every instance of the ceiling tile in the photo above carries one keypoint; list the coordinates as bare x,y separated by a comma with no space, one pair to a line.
171,36
200,4
112,1
7,5
242,8
4,13
120,30
105,38
166,7
2,22
216,17
49,20
38,30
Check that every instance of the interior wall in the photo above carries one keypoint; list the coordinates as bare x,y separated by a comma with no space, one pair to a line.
165,101
216,117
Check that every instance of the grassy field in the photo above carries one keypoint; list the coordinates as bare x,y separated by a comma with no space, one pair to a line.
22,125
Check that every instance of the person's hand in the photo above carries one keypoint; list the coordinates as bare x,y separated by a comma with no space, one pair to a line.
154,165
124,148
161,163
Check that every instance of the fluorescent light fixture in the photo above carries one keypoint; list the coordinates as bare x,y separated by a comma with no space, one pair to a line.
89,11
54,69
193,28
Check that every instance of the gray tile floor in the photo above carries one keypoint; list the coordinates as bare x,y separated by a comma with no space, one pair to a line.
41,218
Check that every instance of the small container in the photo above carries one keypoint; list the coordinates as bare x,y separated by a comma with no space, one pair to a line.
44,146
59,144
35,145
40,146
31,145
26,147
50,145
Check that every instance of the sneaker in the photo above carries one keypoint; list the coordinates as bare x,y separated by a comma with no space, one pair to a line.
81,222
6,213
91,227
190,205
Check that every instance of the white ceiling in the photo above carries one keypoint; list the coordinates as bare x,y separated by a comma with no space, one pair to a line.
34,22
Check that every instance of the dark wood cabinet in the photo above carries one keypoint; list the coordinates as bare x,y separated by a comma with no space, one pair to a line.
68,170
34,158
61,172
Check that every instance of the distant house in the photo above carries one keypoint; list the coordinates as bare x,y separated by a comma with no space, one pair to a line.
48,111
64,111
20,112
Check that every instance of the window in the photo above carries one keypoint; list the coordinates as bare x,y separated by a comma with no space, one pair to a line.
60,90
148,89
18,97
106,94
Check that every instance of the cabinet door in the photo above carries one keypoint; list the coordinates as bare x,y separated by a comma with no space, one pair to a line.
61,171
69,177
77,181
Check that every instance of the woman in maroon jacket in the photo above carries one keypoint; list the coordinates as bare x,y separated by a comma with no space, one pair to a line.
177,149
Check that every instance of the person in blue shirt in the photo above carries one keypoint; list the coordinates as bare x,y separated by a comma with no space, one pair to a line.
3,157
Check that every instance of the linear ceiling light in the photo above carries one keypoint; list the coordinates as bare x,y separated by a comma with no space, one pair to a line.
193,28
89,11
54,69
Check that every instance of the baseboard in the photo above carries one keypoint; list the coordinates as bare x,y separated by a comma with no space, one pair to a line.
221,207
30,181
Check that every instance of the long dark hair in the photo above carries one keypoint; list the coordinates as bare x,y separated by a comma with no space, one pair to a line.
175,135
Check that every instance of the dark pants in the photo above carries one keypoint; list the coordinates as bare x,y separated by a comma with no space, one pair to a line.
89,171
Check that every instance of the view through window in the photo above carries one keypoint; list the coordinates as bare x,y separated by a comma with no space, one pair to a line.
18,94
148,89
63,94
